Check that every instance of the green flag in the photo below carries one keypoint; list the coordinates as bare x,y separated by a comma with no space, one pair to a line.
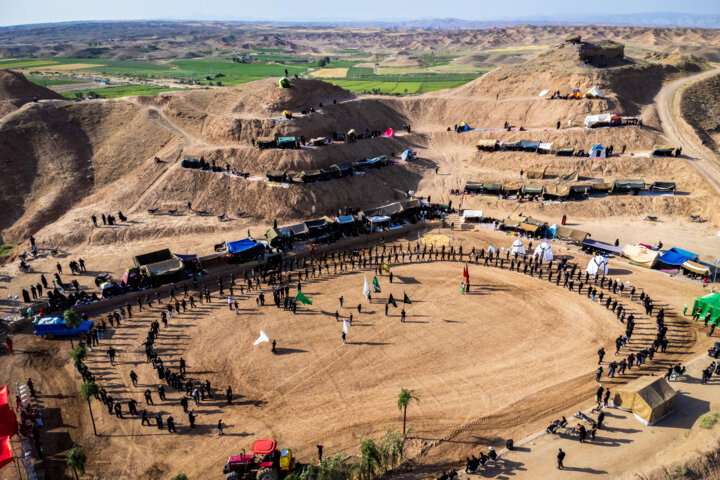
301,297
391,300
406,299
376,285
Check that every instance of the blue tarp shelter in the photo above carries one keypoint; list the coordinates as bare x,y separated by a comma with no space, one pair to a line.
528,144
407,156
676,257
241,245
347,219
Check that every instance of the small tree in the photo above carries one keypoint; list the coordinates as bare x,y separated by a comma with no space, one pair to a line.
180,476
77,459
72,320
370,458
78,354
90,390
404,399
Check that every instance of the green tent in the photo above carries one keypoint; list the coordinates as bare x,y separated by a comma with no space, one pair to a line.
284,83
710,303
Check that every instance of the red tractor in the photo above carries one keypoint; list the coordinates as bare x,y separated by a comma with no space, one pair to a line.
266,462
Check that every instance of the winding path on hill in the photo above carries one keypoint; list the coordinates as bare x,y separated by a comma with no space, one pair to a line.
680,133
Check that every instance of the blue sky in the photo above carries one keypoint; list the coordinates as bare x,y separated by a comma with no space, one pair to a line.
42,11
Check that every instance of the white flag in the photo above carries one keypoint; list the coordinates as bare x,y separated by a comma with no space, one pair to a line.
366,288
345,327
262,338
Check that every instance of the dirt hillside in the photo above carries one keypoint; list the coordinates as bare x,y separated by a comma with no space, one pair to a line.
16,91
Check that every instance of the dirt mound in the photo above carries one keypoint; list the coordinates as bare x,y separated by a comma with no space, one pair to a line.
629,83
263,98
16,91
701,108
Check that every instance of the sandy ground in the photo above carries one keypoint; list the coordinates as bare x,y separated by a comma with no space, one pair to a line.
677,436
474,367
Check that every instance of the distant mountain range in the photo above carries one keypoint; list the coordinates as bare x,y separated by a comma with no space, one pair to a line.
655,19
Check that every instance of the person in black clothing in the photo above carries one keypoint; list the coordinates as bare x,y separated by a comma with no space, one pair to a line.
560,458
132,406
228,395
145,418
191,418
159,421
171,424
601,354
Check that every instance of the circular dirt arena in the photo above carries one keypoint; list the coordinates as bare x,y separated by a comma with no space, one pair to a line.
510,341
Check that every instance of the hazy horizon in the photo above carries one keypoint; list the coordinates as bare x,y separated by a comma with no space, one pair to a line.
51,11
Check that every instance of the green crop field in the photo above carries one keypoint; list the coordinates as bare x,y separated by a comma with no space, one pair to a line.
356,72
50,81
117,92
394,87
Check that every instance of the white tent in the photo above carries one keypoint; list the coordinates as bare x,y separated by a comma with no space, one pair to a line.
544,252
546,147
471,215
592,121
517,247
492,249
544,92
598,151
598,265
594,92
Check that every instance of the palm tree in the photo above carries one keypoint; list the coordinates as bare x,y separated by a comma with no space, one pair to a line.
404,399
76,459
90,390
79,354
72,320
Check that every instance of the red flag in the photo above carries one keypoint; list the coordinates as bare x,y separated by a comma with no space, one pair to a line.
466,275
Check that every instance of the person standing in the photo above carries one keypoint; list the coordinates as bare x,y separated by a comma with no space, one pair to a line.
220,427
560,459
134,378
601,354
171,424
229,395
191,418
9,342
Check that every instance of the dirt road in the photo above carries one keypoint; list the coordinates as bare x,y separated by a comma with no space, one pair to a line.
679,133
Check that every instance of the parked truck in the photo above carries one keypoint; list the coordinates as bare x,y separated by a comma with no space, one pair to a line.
52,326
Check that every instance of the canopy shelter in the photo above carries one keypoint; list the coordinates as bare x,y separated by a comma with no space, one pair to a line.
600,188
276,176
578,190
389,133
649,398
4,403
628,185
517,247
565,152
345,222
597,151
310,176
545,147
492,188
662,151
708,303
595,246
536,173
602,120
266,142
287,142
287,114
319,141
532,189
345,168
473,187
663,187
8,423
330,173
463,127
487,145
640,255
578,236
274,237
513,221
594,92
544,252
598,265
676,257
407,156
511,188
471,216
556,192
6,454
694,267
243,246
508,145
528,145
158,263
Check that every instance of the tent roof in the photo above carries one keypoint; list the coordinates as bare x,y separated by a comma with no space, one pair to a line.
528,144
662,186
640,255
152,257
605,247
286,139
597,147
493,187
472,214
545,146
345,219
164,267
240,246
696,267
677,256
529,227
265,140
579,236
533,189
6,454
486,142
595,92
536,173
473,186
650,398
8,423
663,148
629,183
566,149
557,191
4,398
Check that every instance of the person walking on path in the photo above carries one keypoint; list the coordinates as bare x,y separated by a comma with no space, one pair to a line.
111,355
601,354
191,418
171,424
220,427
560,459
229,395
148,397
133,378
598,374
